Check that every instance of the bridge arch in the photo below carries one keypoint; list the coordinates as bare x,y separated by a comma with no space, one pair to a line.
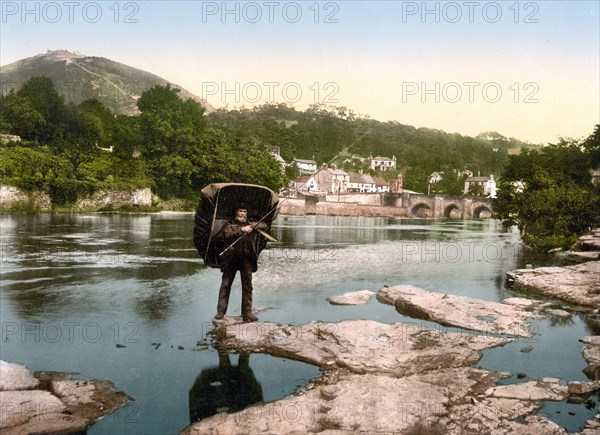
422,210
452,211
482,212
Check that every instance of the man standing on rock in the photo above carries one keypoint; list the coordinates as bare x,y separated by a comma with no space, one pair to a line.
240,237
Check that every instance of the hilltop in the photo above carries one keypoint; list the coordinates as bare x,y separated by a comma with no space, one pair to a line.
79,77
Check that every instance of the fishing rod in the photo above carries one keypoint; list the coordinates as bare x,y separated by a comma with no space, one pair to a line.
255,224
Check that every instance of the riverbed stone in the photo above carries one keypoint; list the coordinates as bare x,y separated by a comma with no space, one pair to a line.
19,407
361,346
558,312
589,242
352,298
381,378
460,311
542,389
591,353
583,388
74,392
578,284
522,302
592,426
583,256
57,405
16,377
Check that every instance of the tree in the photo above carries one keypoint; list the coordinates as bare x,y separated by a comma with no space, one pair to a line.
127,137
106,117
45,99
20,117
592,148
79,142
548,195
168,124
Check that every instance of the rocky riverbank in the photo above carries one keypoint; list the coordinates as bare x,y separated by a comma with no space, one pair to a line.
401,378
577,284
40,402
15,199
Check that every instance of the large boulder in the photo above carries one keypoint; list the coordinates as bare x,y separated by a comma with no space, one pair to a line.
461,311
51,402
577,284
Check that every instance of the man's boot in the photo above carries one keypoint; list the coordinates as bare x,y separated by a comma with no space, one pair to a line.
222,305
247,315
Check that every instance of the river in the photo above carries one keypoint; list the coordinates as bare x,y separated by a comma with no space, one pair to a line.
126,298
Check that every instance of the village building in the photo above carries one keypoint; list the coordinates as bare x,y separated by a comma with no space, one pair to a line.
596,177
276,153
305,166
381,185
487,184
396,184
361,183
305,183
332,180
382,163
436,177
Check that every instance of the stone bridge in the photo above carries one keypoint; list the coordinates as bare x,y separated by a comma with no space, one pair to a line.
440,206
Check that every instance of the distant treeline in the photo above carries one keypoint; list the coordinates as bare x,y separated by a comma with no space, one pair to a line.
337,135
72,150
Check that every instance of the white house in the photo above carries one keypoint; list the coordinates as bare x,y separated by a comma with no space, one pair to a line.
381,184
361,183
436,177
308,166
382,163
488,185
306,183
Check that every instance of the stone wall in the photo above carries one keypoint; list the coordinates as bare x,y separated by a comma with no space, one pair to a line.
116,198
12,197
357,198
298,207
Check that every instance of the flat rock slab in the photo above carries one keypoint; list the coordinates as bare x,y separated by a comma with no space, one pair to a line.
578,284
361,346
66,406
543,389
345,403
18,407
582,256
382,378
461,311
16,377
353,298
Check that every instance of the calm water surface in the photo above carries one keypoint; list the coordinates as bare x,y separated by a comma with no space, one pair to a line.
126,298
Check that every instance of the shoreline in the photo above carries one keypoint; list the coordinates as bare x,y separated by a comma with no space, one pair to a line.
14,200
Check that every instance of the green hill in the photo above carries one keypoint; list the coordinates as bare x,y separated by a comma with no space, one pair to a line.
78,77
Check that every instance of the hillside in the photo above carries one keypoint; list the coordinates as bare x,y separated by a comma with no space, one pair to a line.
334,135
78,77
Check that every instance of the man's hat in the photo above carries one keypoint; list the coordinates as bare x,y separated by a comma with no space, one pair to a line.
241,205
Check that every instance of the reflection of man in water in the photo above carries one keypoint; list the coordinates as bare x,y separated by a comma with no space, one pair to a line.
225,388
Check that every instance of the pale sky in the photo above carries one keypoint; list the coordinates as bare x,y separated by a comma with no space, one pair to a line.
528,70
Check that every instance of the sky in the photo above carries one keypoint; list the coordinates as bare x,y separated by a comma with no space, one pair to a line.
526,69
